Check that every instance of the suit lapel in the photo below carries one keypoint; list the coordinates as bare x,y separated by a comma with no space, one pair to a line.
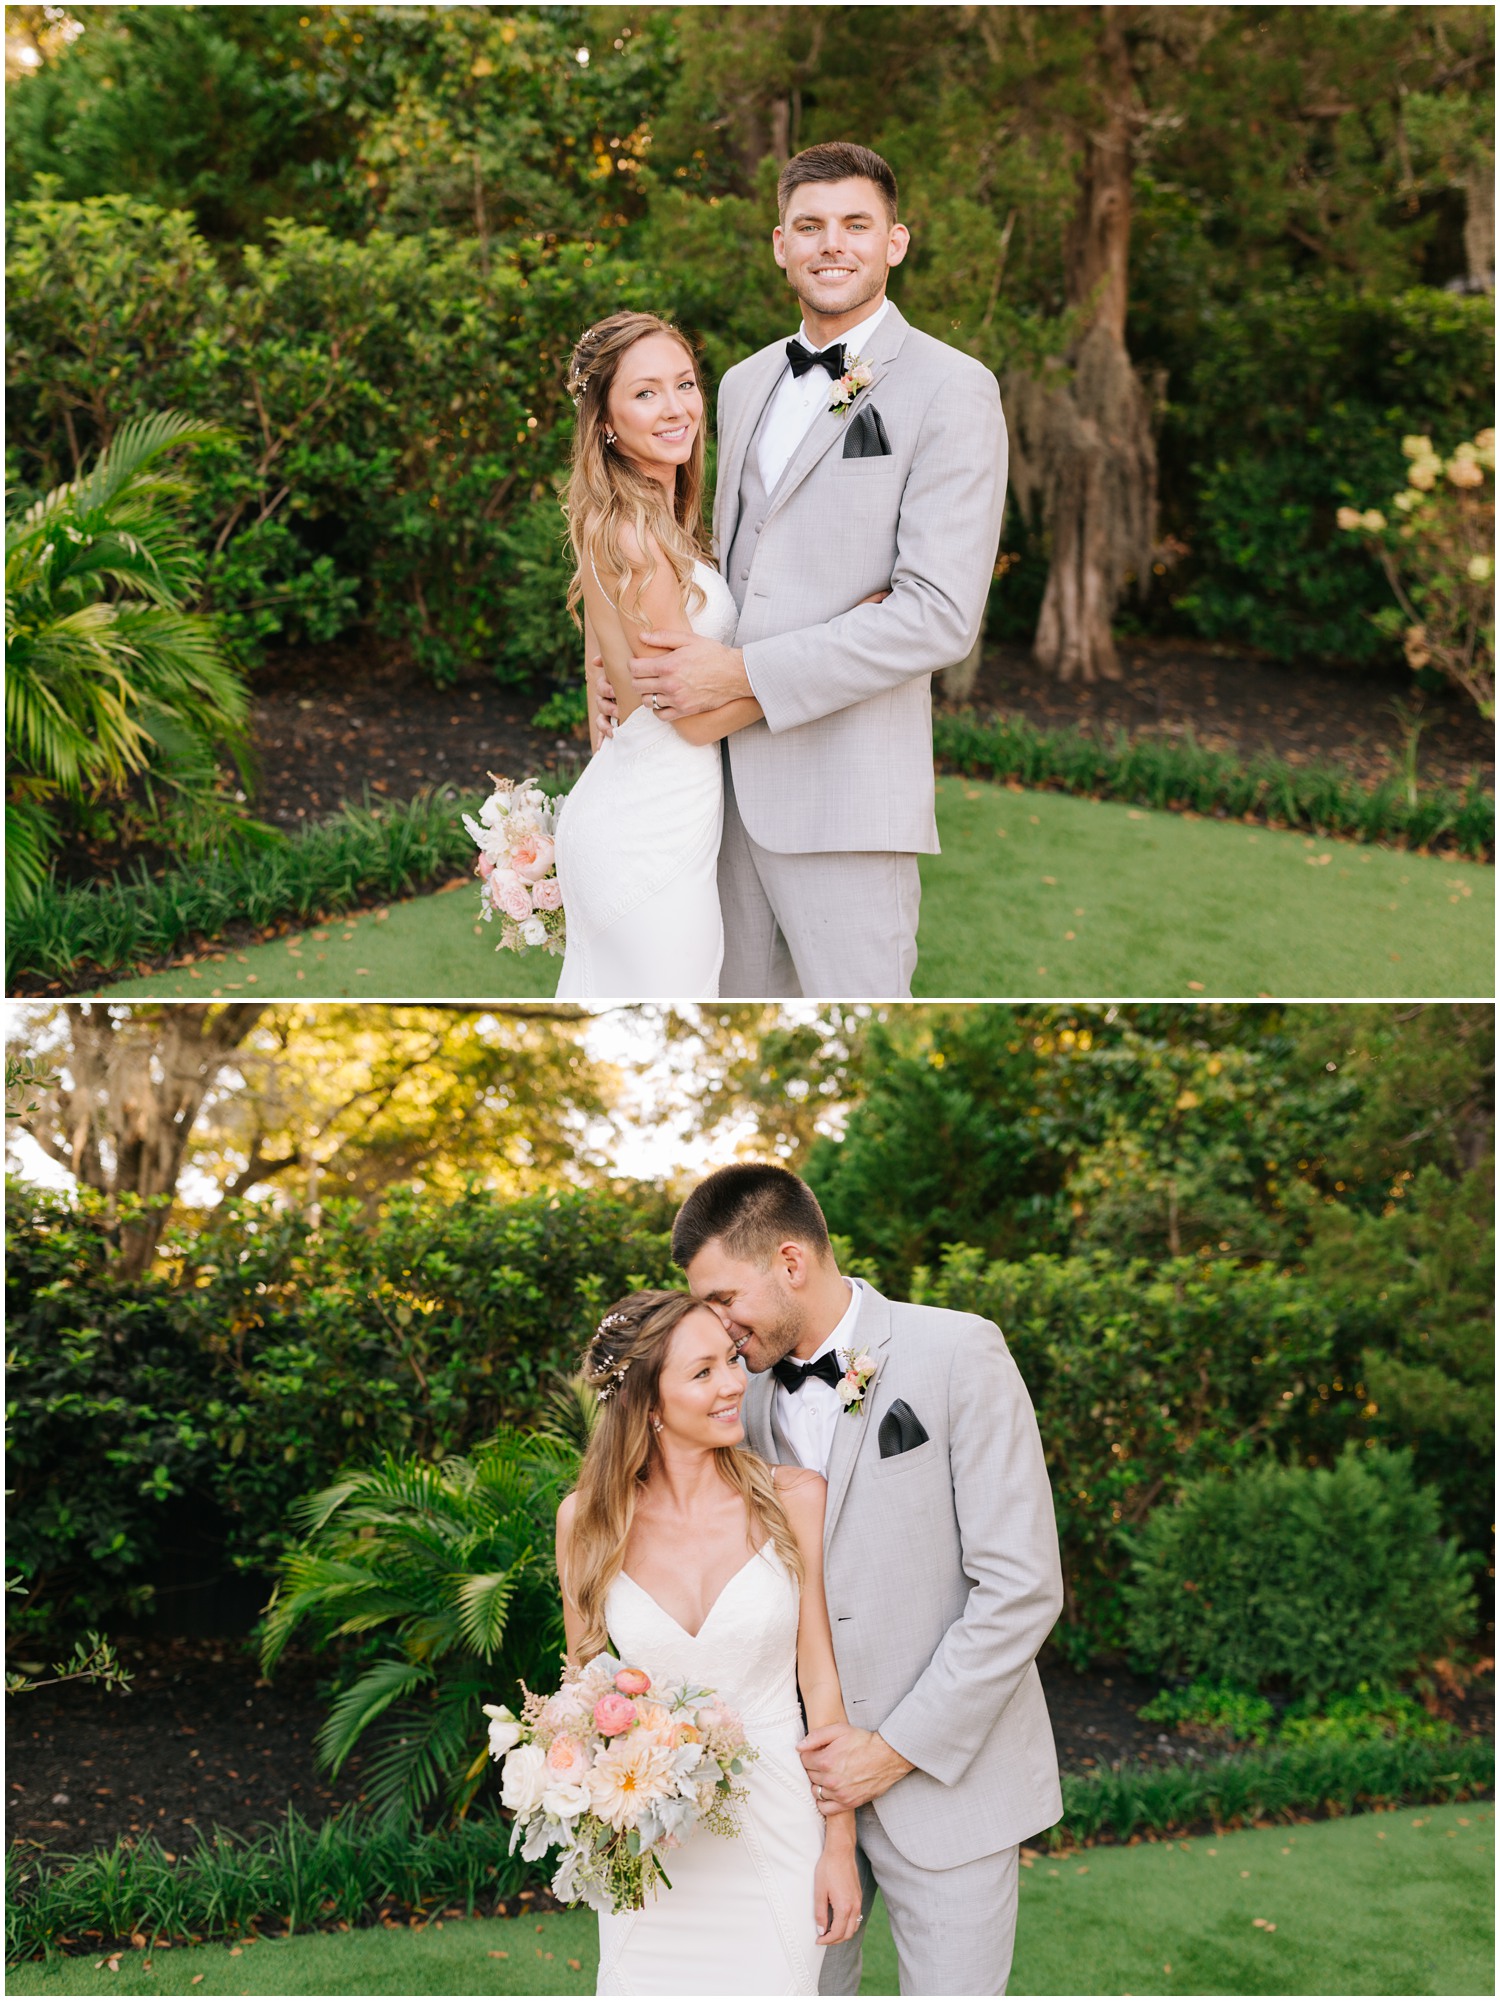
768,367
760,1433
830,425
872,1335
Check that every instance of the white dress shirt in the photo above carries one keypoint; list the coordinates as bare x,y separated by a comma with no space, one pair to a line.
797,399
809,1416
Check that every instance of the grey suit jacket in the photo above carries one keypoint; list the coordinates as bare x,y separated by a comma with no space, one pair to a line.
943,1580
843,760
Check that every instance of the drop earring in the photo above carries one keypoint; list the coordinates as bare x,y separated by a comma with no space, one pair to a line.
656,1424
609,437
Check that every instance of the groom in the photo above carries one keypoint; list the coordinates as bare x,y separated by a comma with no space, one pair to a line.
940,1563
829,801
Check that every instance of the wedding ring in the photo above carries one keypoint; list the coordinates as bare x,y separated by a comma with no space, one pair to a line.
656,703
820,1792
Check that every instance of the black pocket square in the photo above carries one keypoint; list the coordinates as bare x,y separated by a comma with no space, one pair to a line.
900,1430
866,438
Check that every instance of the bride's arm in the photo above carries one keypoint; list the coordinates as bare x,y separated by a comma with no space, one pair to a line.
836,1893
572,1617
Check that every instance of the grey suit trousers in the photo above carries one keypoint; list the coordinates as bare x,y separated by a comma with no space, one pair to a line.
836,926
954,1929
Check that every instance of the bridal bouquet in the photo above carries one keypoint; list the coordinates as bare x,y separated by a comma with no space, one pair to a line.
515,837
616,1772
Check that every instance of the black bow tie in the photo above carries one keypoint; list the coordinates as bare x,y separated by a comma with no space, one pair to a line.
792,1375
802,358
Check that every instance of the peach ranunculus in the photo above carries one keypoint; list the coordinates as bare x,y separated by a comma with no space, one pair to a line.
566,1761
633,1681
548,894
532,856
612,1714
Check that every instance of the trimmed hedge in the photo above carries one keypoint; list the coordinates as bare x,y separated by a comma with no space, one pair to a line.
362,854
1270,1785
1316,799
298,1877
293,1876
366,853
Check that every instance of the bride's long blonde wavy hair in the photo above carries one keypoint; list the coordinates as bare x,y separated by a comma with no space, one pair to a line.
607,490
623,1365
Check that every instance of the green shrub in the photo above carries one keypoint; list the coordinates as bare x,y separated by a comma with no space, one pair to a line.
1216,1707
272,1352
1367,1716
1297,402
1308,1580
395,408
1144,1378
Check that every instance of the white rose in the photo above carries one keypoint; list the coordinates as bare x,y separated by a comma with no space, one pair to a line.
505,1730
534,931
524,1778
564,1801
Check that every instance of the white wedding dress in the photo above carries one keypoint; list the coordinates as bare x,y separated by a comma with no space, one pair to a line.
638,852
738,1918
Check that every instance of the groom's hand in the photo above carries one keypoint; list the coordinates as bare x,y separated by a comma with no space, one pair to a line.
689,673
848,1768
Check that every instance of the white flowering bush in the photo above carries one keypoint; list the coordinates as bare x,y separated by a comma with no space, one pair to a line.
615,1773
1437,550
517,866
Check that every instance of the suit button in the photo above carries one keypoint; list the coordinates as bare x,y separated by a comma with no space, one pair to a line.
758,526
744,576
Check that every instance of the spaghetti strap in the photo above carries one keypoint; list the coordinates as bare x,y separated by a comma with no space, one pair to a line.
600,582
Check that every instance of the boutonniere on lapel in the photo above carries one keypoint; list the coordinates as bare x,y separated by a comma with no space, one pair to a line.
858,375
859,1373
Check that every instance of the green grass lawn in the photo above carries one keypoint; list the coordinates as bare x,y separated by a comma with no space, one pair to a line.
1035,893
1388,1903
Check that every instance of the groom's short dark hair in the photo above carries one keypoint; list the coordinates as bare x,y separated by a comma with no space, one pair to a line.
750,1208
838,160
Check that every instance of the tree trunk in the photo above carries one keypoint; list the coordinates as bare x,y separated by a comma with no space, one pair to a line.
958,680
137,1084
1083,455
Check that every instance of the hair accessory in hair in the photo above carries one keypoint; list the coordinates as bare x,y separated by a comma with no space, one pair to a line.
614,1379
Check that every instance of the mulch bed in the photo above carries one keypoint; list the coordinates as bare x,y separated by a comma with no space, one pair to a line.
356,720
202,1740
1247,703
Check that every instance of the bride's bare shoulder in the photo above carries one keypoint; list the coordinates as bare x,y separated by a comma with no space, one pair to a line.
799,1488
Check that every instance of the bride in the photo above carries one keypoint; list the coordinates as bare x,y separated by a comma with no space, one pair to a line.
638,838
690,1558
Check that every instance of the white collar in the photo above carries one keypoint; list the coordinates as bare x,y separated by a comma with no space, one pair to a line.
843,1335
865,326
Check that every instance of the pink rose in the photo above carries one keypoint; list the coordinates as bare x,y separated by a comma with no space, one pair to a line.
547,895
483,866
612,1714
633,1681
531,857
515,901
